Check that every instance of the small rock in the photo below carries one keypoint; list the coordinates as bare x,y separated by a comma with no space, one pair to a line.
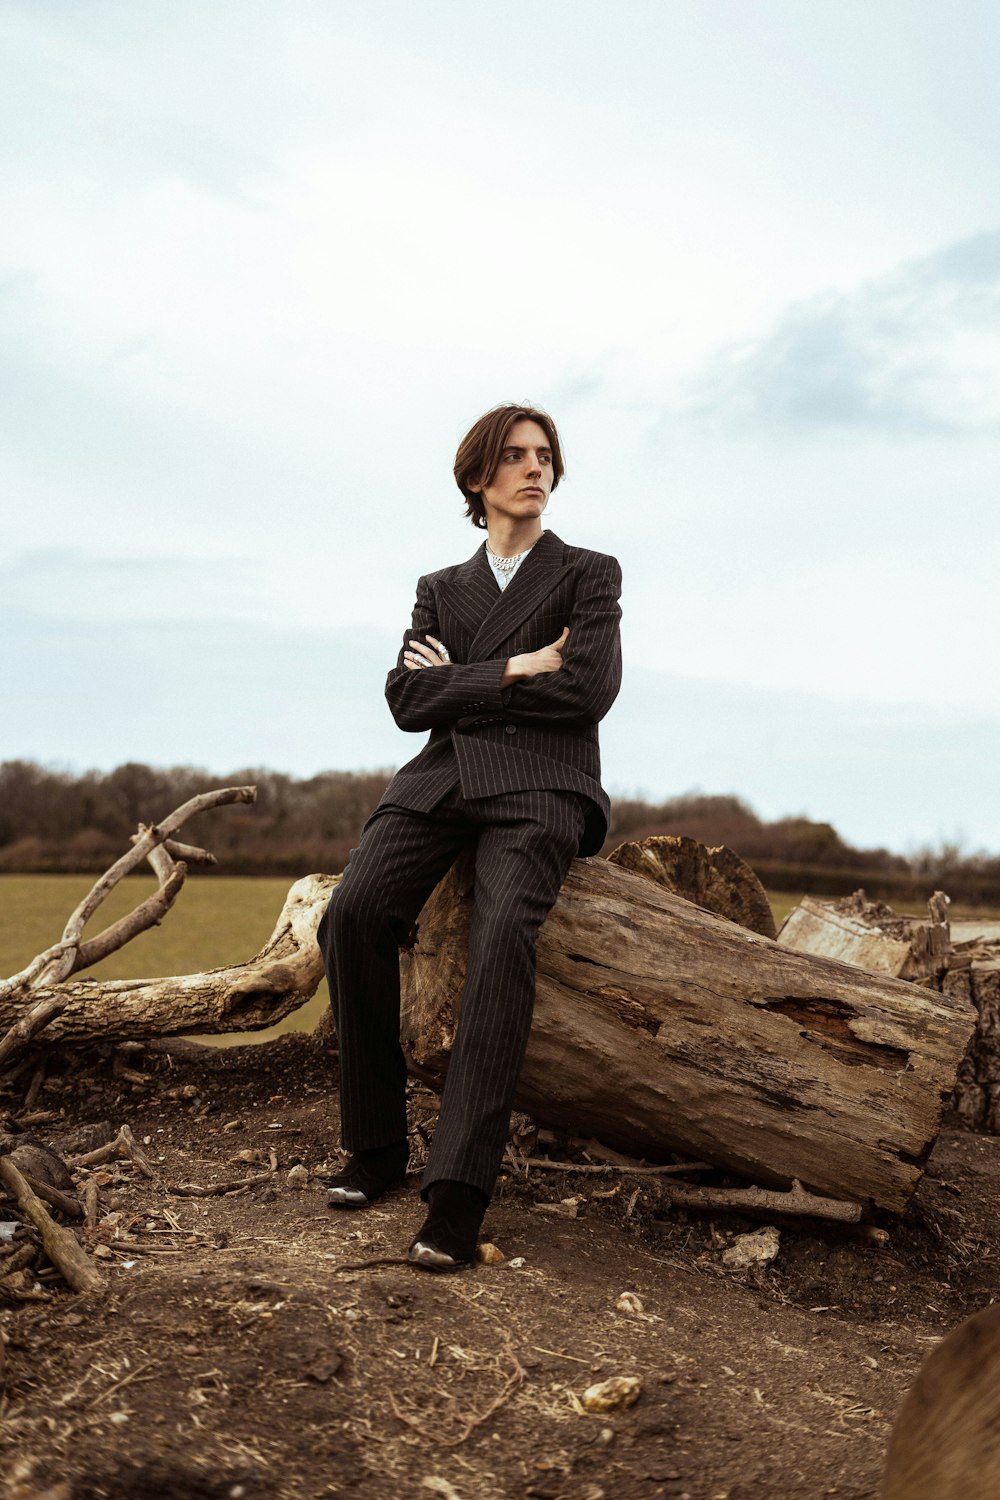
517,1262
325,1367
620,1390
298,1177
102,1252
489,1255
629,1303
753,1249
119,1418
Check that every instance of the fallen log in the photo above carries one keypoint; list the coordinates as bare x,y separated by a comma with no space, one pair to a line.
660,1028
962,959
244,997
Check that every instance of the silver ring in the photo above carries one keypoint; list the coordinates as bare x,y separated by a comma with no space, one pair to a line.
443,653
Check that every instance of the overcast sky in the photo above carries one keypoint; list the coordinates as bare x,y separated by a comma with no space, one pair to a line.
261,264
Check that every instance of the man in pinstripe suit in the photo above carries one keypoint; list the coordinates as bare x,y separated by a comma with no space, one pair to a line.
511,660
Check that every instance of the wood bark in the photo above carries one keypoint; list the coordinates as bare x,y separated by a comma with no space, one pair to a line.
962,959
244,997
870,935
717,878
662,1028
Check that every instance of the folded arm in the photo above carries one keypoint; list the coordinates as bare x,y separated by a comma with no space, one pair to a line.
439,696
587,683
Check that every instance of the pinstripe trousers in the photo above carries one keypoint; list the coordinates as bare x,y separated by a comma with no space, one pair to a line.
525,842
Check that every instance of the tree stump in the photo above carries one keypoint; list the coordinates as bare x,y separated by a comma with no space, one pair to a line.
661,1028
715,878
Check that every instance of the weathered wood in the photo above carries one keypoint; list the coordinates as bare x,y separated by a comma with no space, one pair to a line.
60,1245
795,1203
43,977
961,958
717,878
661,1028
244,997
977,1088
870,935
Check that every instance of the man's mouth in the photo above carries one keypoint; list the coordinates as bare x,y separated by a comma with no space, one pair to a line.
532,489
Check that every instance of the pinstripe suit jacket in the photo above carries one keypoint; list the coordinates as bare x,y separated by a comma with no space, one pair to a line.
540,732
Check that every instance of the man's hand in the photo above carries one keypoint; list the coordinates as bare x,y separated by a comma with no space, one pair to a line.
548,659
425,656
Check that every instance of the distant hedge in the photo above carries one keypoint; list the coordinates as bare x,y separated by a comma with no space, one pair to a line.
57,821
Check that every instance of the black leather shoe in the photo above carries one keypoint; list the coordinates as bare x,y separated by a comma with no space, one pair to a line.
449,1235
368,1175
430,1257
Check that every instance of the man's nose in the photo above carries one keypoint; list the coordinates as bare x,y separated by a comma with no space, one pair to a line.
534,464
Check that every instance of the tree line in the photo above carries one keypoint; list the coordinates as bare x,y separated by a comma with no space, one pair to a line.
58,821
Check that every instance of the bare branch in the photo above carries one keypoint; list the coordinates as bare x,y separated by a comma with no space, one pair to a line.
140,850
637,1170
148,913
50,969
189,853
756,1200
61,1246
33,1021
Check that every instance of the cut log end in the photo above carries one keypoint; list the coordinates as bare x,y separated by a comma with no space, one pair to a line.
716,879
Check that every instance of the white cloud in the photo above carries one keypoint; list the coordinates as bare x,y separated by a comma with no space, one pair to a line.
913,352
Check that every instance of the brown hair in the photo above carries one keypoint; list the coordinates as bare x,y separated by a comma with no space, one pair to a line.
480,451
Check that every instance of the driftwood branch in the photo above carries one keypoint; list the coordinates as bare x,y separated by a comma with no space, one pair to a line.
755,1200
61,1245
65,1202
124,1145
244,997
43,978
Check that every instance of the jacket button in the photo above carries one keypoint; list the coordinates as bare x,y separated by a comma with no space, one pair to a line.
510,728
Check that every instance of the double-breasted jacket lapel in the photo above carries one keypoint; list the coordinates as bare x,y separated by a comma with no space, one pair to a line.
469,594
491,614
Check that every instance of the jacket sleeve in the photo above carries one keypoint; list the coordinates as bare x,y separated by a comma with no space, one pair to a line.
587,683
432,697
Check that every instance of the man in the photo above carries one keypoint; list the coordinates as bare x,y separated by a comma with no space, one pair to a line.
511,660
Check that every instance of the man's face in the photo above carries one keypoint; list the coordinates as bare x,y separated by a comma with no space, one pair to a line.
519,490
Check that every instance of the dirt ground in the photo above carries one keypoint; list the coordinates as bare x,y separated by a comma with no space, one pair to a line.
234,1353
